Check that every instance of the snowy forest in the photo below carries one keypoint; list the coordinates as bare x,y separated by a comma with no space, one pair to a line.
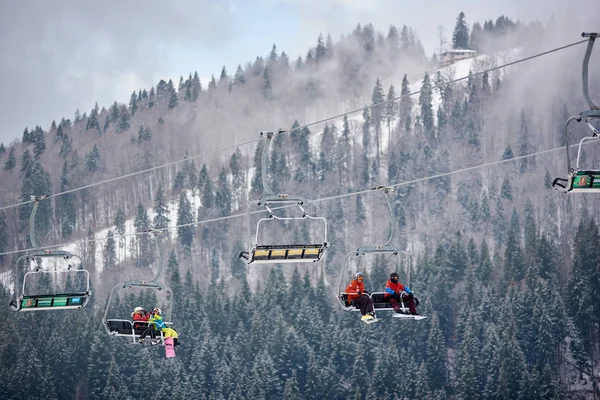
504,266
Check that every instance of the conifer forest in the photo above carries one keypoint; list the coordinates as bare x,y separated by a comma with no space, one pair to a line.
505,267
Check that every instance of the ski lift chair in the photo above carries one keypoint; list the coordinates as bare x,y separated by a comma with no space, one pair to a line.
120,327
281,253
284,253
379,304
50,301
582,181
39,301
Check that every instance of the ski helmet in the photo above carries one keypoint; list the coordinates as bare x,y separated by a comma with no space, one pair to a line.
138,309
359,274
158,310
394,276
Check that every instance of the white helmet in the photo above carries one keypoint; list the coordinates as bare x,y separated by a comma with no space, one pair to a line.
158,310
138,309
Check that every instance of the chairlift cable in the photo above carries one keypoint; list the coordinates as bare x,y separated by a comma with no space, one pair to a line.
244,214
157,167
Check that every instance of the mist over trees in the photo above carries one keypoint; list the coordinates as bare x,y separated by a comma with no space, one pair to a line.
501,263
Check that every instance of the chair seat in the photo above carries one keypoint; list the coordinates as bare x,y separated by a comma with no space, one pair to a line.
54,301
287,253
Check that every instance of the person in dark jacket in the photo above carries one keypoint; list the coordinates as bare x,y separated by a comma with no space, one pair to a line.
358,297
395,292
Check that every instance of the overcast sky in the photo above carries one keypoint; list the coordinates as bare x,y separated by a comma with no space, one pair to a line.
58,56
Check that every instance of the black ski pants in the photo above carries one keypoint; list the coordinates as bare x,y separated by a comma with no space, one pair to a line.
365,304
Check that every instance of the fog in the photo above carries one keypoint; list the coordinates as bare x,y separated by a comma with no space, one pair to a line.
59,57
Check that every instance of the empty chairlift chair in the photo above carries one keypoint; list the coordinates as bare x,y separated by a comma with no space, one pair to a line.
264,253
39,299
58,295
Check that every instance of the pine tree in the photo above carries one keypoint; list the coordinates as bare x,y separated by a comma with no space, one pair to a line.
120,228
39,143
377,113
123,124
11,162
161,210
584,283
425,99
92,122
26,137
92,160
173,99
66,146
476,38
185,234
514,262
344,154
266,87
437,358
110,252
525,146
145,251
26,162
508,153
115,388
513,369
223,197
457,258
68,212
469,385
405,118
3,237
238,183
506,191
460,37
499,222
391,112
326,161
120,222
196,86
530,231
114,112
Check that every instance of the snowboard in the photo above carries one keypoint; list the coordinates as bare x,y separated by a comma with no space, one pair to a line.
370,321
409,316
169,347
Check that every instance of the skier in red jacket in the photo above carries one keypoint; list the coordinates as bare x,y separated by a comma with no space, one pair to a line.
358,297
394,294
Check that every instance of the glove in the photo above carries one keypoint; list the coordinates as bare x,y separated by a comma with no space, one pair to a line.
359,293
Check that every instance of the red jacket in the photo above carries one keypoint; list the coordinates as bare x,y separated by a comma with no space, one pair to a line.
140,317
396,287
353,288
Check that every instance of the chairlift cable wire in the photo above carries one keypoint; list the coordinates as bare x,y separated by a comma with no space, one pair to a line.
119,177
336,197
